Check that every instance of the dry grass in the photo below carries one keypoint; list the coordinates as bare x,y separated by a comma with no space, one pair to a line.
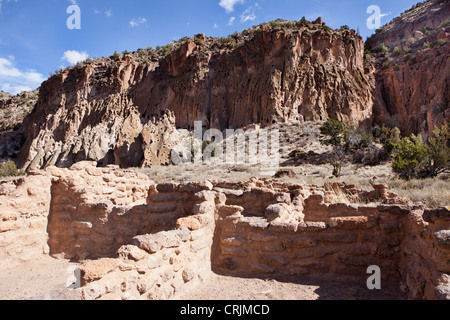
192,172
434,193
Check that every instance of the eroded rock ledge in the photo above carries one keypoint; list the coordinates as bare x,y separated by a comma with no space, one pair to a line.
147,241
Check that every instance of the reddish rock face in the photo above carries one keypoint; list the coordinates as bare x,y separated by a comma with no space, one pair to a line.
276,76
412,84
100,111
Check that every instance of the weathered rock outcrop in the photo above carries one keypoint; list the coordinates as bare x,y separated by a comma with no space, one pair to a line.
413,64
103,110
13,112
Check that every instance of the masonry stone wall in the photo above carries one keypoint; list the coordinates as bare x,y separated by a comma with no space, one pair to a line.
139,240
95,210
164,264
24,207
408,242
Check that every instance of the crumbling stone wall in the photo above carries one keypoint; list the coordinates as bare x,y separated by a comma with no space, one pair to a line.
425,247
150,241
409,243
169,253
24,207
96,210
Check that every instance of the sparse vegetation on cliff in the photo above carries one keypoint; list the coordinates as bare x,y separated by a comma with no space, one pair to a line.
9,169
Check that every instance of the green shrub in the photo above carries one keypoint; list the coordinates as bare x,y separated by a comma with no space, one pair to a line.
276,24
407,50
304,22
441,42
289,25
389,138
415,158
356,139
386,63
337,168
438,152
141,53
226,40
198,41
396,51
166,50
381,48
116,56
409,156
444,24
9,169
332,133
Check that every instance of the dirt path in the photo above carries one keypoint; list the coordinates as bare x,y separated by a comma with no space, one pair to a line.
41,279
218,287
46,278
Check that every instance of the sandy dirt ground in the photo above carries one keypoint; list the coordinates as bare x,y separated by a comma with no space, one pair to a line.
219,287
46,279
41,279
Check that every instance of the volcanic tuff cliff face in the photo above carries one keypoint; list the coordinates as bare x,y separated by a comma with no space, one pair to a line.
13,112
104,110
413,66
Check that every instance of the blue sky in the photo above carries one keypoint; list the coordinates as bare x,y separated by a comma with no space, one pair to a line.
35,39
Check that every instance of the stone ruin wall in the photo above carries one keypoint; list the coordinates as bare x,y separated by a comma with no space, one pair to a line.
24,208
150,241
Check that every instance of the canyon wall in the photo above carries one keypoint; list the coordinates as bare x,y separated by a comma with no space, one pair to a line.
104,110
412,69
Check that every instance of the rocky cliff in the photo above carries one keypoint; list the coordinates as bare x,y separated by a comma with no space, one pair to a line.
412,62
13,111
110,110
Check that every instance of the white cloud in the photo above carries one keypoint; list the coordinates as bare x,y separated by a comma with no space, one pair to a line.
216,26
249,14
231,21
107,13
228,5
14,81
136,22
14,89
73,56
